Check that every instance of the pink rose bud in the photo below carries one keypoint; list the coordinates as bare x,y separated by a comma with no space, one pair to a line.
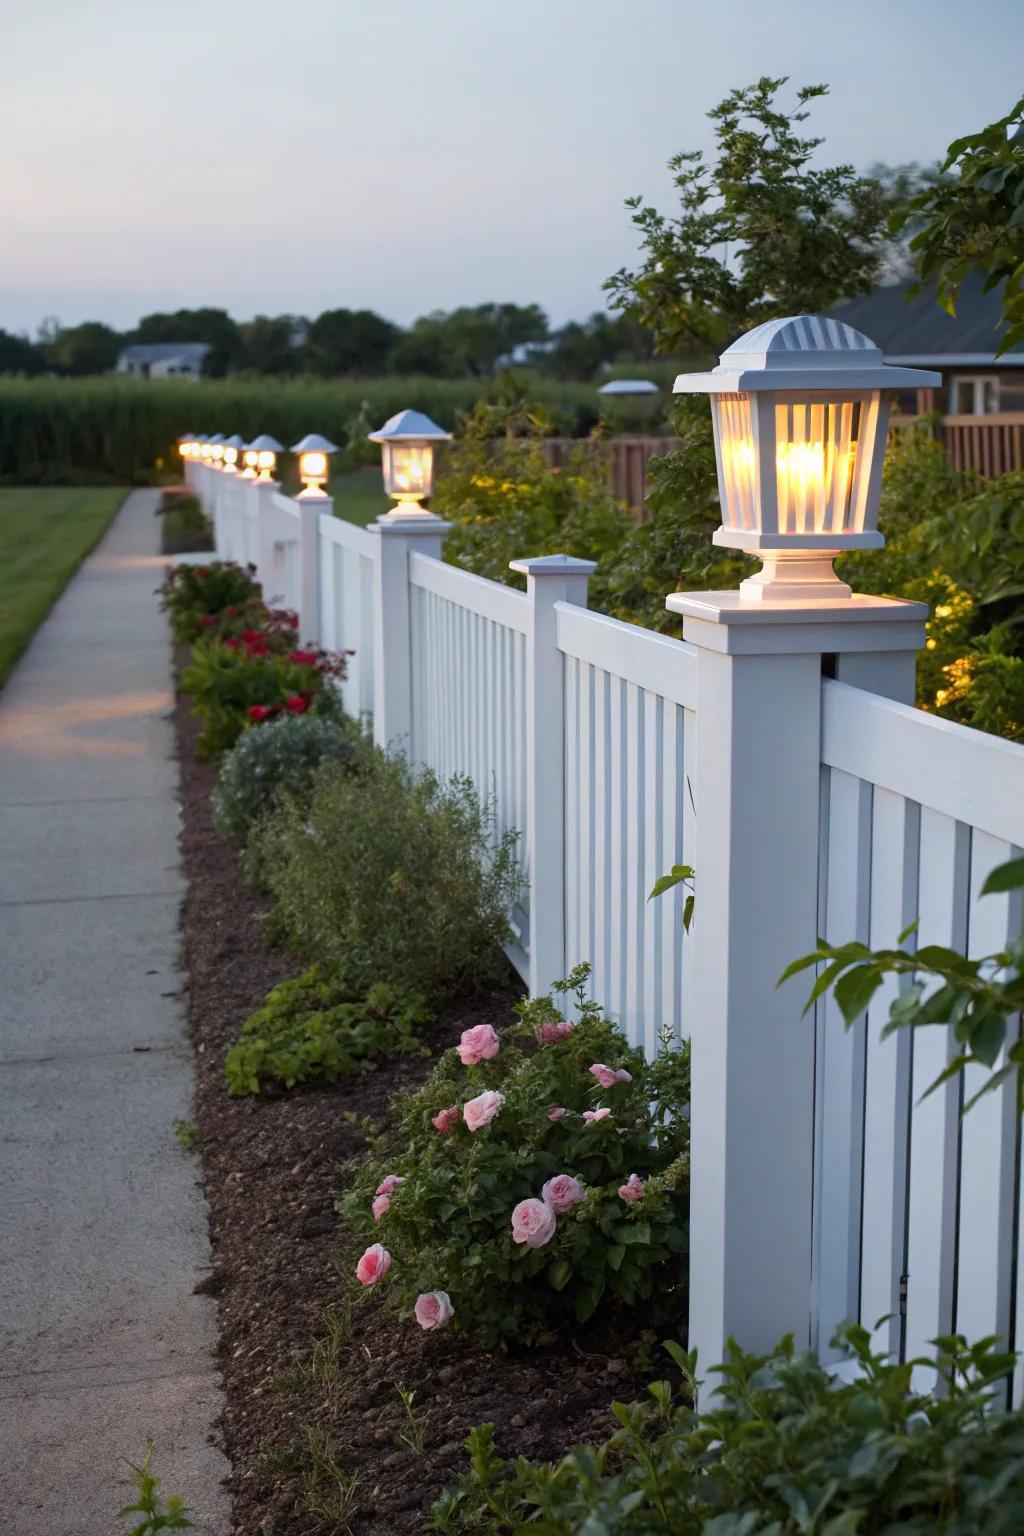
373,1265
600,1113
446,1119
551,1031
380,1205
481,1111
389,1185
556,1114
562,1193
633,1189
477,1044
533,1223
608,1076
433,1309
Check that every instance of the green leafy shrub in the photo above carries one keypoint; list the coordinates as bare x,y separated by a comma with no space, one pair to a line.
504,502
471,1210
250,681
309,1030
281,757
157,1515
386,877
783,1450
192,594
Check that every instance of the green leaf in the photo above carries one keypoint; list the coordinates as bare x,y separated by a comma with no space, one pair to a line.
1005,877
854,991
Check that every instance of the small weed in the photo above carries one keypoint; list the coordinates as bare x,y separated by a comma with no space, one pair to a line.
328,1491
286,1384
281,1460
330,1347
157,1515
186,1134
411,1438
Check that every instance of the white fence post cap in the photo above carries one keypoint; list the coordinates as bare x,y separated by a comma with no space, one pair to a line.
553,565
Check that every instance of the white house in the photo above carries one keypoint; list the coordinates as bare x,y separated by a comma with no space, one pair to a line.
164,359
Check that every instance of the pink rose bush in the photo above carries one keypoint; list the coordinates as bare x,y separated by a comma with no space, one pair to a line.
516,1204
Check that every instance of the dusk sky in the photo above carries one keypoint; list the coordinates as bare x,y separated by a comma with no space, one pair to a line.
410,156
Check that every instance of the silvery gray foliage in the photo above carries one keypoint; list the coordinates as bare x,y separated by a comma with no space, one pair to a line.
276,758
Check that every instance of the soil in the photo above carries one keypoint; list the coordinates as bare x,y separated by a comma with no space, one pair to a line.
303,1399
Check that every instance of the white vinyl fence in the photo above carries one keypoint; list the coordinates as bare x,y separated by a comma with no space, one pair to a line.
778,758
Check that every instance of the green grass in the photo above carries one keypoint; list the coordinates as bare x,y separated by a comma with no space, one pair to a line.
359,495
45,534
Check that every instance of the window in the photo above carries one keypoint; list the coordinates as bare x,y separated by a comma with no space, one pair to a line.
974,395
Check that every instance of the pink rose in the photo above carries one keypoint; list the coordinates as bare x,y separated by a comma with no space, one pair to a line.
556,1114
477,1044
608,1076
533,1223
551,1031
380,1205
600,1113
481,1111
433,1309
447,1118
633,1189
389,1185
562,1193
373,1265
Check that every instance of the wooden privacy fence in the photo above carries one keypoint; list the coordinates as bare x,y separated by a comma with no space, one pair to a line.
627,463
783,757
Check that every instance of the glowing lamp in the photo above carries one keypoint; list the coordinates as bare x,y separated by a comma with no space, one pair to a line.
216,443
800,410
260,457
186,444
206,450
407,448
314,454
232,447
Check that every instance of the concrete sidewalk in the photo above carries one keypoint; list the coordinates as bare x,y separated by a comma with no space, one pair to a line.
102,1228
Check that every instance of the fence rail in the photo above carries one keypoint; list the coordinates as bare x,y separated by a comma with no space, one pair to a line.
823,1184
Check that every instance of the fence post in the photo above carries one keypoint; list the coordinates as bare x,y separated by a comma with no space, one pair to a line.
262,493
758,774
550,579
311,509
396,536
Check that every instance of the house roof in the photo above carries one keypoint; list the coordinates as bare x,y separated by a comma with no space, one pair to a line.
918,330
161,351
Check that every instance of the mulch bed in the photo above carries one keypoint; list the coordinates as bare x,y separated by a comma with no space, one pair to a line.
272,1169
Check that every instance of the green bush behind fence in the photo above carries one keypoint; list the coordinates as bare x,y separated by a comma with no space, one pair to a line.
79,431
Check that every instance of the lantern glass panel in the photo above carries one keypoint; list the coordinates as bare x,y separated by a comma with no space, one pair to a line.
818,444
313,468
266,459
408,470
734,429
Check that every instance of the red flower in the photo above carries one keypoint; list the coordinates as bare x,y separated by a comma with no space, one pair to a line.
304,658
208,619
250,636
202,570
297,704
258,713
231,612
232,645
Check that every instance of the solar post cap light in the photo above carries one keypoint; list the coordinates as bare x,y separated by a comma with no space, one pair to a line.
187,445
314,454
407,448
800,409
216,443
260,457
232,447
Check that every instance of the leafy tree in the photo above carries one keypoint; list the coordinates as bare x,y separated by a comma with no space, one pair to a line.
974,222
269,342
582,348
18,355
761,232
468,341
91,347
214,326
352,341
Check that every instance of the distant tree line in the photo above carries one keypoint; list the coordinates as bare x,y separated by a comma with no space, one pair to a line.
472,341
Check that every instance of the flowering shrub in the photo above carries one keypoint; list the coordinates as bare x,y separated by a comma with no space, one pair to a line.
280,758
191,594
524,1187
386,877
783,1448
255,677
310,1029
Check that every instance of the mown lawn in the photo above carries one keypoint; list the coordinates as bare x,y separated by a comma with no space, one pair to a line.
45,534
